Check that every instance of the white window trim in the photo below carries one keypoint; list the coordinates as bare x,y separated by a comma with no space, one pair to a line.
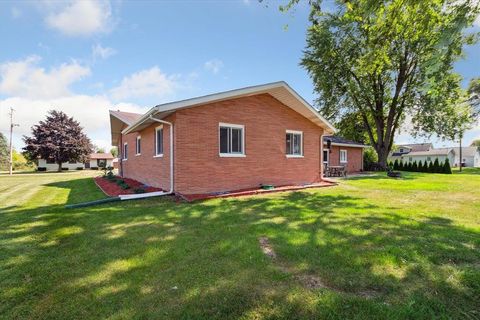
232,155
158,155
301,144
346,156
124,154
136,145
328,156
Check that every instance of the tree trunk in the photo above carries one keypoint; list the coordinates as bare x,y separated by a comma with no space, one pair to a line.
59,167
382,153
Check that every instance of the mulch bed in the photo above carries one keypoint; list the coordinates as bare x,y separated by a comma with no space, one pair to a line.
254,191
111,189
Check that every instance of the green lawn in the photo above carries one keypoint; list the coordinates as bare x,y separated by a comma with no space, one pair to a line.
381,248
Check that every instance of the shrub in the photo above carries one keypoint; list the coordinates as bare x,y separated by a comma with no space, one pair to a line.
436,166
414,166
430,167
370,159
124,186
79,168
120,182
395,165
139,190
420,166
41,169
65,169
93,168
446,167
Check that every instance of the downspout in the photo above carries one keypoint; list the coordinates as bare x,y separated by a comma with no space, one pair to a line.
171,149
321,156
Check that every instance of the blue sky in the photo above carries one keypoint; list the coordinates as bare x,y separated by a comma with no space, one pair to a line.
85,57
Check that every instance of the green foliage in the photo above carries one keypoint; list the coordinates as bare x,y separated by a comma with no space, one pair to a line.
401,166
436,166
415,166
475,143
446,167
59,137
369,158
375,62
420,166
431,167
395,165
4,153
114,152
139,190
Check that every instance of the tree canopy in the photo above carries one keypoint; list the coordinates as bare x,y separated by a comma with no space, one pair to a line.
384,61
59,138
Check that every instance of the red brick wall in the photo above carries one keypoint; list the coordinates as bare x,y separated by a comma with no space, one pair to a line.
154,171
354,158
200,169
198,166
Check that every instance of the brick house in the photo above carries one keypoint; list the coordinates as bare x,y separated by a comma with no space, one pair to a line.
228,141
338,151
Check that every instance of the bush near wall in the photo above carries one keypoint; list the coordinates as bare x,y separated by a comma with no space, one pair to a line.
429,167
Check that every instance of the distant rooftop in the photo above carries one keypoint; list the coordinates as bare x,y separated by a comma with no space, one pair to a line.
416,147
341,140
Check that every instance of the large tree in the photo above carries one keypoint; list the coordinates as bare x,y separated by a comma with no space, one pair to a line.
59,138
383,61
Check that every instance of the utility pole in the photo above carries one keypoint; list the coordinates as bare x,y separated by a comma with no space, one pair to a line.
461,160
11,145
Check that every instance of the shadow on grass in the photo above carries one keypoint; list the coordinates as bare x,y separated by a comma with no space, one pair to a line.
158,259
79,190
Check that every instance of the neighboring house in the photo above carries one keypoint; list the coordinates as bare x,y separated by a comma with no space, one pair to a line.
429,156
94,161
470,156
426,152
228,141
51,165
343,152
99,160
403,149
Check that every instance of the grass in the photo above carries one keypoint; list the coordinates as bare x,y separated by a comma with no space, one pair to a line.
412,244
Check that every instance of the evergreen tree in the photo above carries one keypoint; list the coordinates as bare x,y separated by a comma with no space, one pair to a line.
414,166
4,152
446,167
420,166
436,166
395,165
430,167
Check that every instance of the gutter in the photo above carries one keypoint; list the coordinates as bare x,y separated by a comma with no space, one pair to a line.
171,150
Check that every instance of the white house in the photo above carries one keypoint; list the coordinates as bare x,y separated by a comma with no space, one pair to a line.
430,155
95,161
470,156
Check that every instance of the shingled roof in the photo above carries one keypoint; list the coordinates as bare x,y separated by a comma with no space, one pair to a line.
336,140
127,117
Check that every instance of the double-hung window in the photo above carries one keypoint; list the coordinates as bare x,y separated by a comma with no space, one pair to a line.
232,140
159,141
343,156
294,144
125,151
138,145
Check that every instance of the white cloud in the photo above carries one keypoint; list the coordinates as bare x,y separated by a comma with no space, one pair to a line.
102,52
24,78
90,111
146,83
80,17
214,65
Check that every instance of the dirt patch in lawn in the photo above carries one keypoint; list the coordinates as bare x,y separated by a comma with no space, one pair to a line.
112,189
308,281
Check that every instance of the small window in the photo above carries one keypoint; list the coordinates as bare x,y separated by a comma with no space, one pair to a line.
159,141
138,146
343,156
294,143
429,159
325,156
410,159
231,137
125,151
401,150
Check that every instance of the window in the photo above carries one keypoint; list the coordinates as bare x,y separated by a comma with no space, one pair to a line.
325,156
101,163
159,141
401,150
343,156
125,151
294,143
410,159
138,145
232,140
429,159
